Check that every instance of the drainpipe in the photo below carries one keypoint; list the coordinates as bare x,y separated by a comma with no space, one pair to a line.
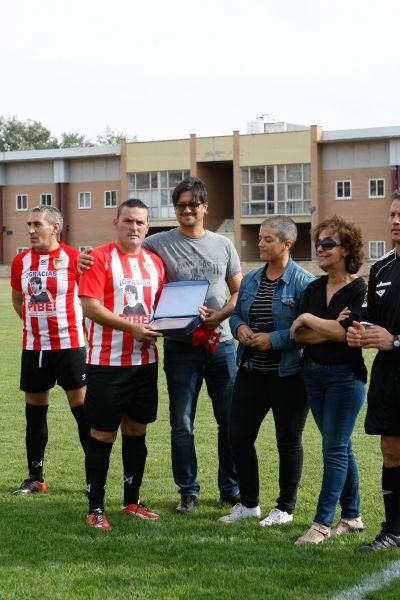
395,178
61,201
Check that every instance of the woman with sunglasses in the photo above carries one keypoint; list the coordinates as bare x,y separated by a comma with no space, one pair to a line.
334,374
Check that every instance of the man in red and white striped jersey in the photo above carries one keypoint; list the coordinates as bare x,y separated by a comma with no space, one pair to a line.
122,358
44,282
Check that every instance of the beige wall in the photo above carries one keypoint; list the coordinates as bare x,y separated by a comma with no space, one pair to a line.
275,148
258,149
157,156
214,148
370,214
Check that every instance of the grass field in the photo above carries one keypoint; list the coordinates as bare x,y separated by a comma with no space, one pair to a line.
46,551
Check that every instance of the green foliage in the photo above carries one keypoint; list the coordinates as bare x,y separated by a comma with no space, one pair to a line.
33,135
74,140
47,551
24,135
110,136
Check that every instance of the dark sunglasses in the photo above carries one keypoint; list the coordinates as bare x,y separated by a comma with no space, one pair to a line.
181,206
327,244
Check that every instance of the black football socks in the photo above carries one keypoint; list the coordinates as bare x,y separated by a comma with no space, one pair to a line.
36,439
97,460
134,453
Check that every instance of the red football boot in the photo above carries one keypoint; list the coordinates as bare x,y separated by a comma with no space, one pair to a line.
98,519
139,510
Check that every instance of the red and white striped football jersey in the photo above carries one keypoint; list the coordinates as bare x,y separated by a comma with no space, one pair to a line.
129,286
52,312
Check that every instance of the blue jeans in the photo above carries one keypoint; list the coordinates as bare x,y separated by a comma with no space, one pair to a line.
186,367
336,396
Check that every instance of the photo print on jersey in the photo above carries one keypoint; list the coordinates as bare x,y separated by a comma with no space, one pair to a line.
132,305
38,294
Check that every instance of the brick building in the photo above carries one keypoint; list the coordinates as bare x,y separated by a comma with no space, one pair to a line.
305,173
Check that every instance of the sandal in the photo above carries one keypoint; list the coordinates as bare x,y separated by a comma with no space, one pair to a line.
348,525
315,535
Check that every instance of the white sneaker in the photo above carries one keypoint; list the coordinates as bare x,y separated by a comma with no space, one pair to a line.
241,512
276,517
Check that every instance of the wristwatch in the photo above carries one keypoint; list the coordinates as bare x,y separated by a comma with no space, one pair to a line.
396,342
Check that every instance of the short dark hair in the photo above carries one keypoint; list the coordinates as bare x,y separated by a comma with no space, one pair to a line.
396,194
132,289
193,185
131,203
351,237
36,280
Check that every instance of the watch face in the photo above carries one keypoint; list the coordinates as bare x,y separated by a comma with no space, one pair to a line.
396,342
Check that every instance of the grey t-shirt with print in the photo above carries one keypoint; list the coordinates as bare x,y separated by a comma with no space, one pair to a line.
211,257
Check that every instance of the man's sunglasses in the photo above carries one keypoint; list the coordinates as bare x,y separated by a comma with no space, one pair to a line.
181,206
327,243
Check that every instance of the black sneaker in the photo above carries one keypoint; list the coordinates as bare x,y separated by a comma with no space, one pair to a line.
383,541
231,499
186,504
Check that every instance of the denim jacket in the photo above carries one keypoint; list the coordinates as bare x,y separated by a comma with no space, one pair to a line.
286,304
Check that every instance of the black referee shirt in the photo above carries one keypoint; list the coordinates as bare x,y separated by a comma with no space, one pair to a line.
383,297
351,295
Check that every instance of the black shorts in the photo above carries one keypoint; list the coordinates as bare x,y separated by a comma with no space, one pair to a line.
42,369
383,413
115,392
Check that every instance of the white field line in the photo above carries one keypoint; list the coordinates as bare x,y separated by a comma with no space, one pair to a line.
372,583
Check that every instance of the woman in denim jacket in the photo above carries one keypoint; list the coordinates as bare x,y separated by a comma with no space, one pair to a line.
334,374
269,376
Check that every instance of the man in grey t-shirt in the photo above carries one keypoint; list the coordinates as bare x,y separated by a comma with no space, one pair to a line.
191,252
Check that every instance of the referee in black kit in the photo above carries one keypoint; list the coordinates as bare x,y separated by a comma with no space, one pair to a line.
382,331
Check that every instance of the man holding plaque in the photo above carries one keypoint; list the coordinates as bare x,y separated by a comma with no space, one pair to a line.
118,295
190,252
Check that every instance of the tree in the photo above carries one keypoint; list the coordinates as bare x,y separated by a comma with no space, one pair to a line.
33,135
111,136
24,135
73,139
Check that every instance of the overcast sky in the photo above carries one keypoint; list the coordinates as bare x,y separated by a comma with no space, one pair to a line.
168,68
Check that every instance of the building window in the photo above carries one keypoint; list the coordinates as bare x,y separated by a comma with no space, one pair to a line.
22,202
84,199
110,199
155,189
276,189
376,250
21,249
45,199
343,190
376,188
83,248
